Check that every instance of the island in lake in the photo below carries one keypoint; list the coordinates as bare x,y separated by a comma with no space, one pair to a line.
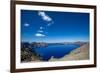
41,51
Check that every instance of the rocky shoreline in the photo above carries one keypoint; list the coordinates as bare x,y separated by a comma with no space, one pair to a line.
28,54
81,53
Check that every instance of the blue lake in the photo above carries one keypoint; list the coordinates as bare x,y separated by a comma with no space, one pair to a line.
57,51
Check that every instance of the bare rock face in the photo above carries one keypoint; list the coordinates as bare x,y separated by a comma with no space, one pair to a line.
27,52
39,44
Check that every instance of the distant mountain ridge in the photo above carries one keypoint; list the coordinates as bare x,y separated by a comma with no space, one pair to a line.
44,44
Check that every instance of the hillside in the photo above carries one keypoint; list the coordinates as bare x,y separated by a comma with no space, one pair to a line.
81,53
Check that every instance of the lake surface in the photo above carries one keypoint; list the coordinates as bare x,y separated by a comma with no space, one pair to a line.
57,51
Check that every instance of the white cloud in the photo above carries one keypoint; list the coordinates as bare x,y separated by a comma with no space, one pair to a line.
39,35
41,27
49,24
47,19
44,16
26,24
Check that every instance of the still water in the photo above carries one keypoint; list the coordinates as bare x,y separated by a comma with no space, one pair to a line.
57,51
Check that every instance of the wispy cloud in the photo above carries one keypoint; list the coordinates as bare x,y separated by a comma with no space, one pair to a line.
49,24
39,35
41,27
44,16
26,24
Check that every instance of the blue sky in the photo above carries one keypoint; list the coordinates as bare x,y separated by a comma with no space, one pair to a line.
51,26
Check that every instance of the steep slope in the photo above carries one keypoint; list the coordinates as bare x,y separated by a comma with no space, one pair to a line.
81,53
